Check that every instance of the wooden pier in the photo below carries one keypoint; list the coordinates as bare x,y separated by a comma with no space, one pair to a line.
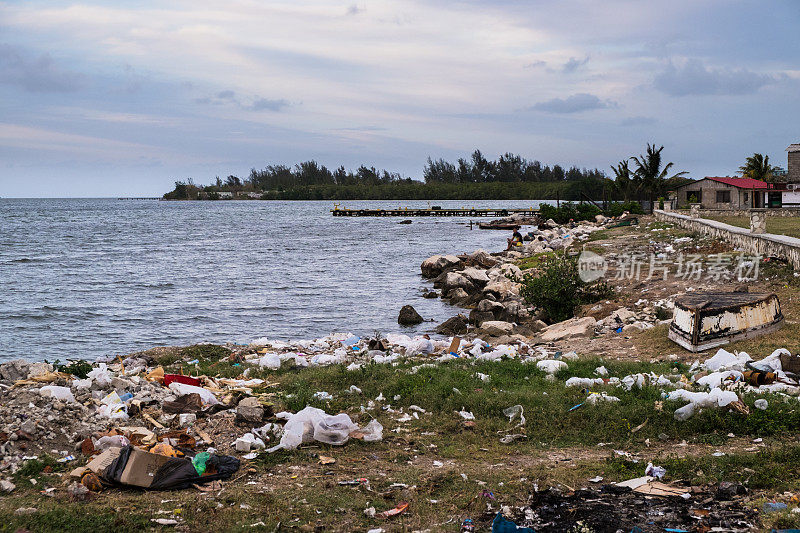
431,212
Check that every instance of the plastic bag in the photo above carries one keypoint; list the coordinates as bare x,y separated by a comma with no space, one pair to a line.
100,375
271,361
551,366
57,393
373,432
334,429
206,395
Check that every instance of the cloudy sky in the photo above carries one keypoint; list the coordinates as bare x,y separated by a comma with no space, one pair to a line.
123,98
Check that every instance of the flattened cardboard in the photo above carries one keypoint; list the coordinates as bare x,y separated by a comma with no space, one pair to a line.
97,465
141,468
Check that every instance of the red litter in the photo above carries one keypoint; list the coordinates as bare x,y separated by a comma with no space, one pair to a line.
186,380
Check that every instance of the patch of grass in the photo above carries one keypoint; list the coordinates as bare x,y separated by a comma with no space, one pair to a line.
206,355
74,518
778,225
534,261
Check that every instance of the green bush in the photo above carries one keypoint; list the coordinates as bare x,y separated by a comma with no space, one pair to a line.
569,211
558,290
617,208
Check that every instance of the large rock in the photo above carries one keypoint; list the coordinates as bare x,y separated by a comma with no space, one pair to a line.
569,329
482,259
479,317
434,266
453,326
502,289
491,306
457,295
454,280
409,316
14,370
496,328
476,276
249,411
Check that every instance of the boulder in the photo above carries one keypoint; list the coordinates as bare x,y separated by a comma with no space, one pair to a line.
479,317
491,306
502,289
454,280
568,329
409,316
453,326
496,328
477,276
434,266
249,411
482,259
600,219
457,295
623,315
14,370
430,294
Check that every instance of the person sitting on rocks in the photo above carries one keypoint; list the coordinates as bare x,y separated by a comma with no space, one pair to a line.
515,240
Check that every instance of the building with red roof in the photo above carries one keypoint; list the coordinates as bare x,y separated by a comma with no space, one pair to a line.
727,192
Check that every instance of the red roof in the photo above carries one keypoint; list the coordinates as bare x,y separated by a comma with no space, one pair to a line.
742,183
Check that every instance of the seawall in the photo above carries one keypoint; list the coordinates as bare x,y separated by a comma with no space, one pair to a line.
765,244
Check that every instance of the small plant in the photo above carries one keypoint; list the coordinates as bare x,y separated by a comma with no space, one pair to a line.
79,369
661,202
558,290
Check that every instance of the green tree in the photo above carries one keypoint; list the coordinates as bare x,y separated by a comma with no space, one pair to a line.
625,182
757,167
649,172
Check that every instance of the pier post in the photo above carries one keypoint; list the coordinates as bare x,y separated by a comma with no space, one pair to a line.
694,210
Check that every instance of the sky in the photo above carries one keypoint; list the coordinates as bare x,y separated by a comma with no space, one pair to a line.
123,98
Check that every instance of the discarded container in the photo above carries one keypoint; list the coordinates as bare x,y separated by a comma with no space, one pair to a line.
706,320
178,378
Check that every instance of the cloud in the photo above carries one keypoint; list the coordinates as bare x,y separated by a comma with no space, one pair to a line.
35,74
574,64
572,104
637,121
536,64
226,95
355,10
693,78
266,104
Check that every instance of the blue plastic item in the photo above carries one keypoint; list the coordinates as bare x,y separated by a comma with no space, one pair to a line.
771,507
125,397
502,525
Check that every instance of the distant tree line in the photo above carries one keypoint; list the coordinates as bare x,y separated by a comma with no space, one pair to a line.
509,177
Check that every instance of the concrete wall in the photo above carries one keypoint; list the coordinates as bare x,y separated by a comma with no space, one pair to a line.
765,244
782,212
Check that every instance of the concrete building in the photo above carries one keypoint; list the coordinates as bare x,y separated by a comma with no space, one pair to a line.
793,174
728,193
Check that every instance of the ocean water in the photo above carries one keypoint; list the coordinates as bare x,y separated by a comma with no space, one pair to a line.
90,277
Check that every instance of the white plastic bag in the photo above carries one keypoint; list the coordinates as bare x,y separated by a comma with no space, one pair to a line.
206,395
57,393
334,429
100,375
373,431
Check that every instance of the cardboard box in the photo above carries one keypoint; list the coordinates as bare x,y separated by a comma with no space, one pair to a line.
141,468
98,464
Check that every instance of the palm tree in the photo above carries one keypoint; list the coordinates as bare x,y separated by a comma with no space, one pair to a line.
624,180
757,167
649,171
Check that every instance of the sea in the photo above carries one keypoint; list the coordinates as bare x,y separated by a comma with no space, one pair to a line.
82,278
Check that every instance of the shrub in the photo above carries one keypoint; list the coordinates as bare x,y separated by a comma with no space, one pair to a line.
558,290
568,211
617,208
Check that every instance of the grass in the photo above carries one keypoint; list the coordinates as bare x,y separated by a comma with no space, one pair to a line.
778,225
